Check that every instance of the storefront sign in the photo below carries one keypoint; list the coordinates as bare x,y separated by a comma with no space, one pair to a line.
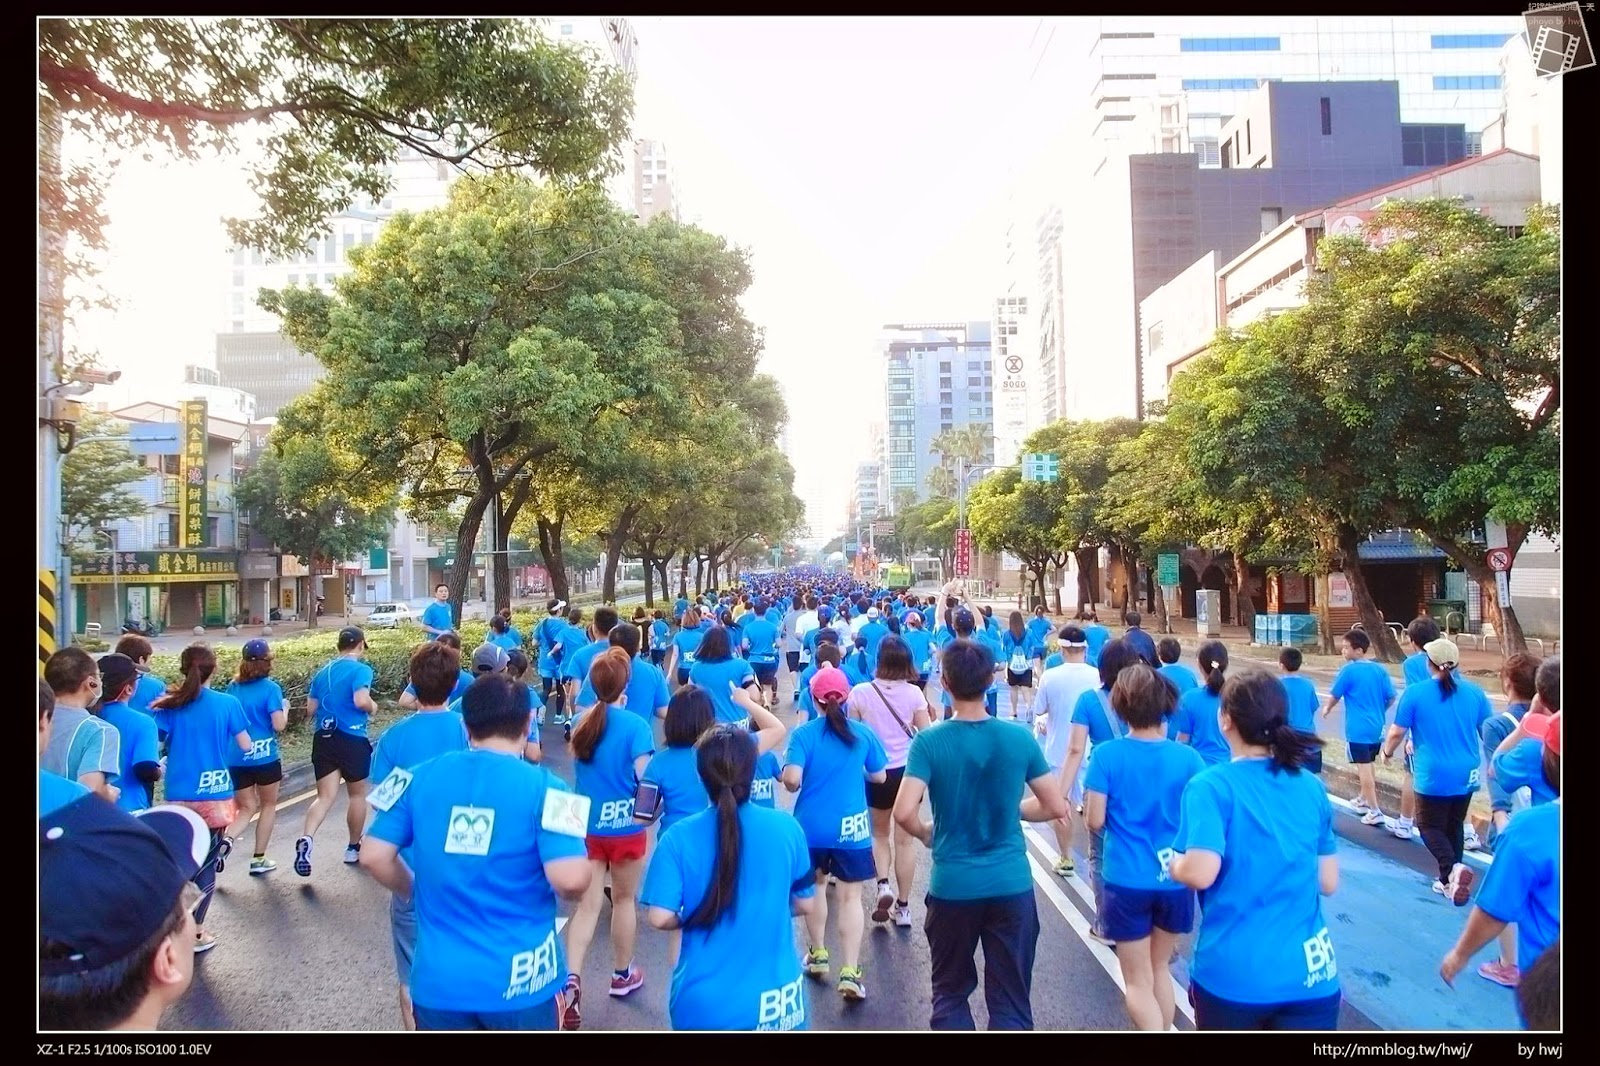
1339,594
192,475
157,568
258,567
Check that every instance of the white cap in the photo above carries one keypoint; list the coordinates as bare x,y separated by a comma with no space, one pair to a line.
872,612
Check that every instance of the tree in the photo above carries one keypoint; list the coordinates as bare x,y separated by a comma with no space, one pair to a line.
1025,518
95,479
961,449
307,496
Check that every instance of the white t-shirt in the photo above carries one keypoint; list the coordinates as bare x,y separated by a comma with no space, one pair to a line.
804,624
906,698
858,623
1059,689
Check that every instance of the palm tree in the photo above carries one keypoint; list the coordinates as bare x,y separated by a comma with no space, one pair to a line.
942,483
905,498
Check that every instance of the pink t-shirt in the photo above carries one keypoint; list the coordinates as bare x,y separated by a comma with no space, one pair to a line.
906,698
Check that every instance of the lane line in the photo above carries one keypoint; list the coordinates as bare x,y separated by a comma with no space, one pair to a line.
1049,881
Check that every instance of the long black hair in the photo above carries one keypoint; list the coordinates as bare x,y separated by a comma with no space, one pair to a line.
196,664
726,760
1258,707
716,647
1213,656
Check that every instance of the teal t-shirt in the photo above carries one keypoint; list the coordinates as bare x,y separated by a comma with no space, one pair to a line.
977,773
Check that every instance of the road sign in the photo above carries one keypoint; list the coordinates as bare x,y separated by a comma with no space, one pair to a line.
963,552
883,529
1499,559
1502,587
850,547
1040,466
1167,570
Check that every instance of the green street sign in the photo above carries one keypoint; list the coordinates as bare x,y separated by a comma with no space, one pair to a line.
1167,570
1041,466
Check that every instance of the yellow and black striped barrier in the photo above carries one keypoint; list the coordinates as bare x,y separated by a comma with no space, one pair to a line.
47,617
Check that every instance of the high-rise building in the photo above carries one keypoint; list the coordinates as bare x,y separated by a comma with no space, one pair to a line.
612,36
940,377
1530,115
1050,387
655,188
1015,346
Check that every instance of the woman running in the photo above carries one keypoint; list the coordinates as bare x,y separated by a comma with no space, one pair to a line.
920,643
893,706
610,748
1195,722
1022,652
258,772
1256,839
732,878
1135,795
685,645
829,762
717,671
205,731
660,640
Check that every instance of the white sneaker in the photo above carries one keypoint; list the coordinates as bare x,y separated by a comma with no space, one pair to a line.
1359,805
1441,888
1372,817
1402,828
1471,842
902,916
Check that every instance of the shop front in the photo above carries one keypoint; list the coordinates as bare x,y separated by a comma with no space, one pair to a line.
174,589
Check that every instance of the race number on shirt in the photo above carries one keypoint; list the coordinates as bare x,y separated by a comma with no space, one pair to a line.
471,829
566,813
394,786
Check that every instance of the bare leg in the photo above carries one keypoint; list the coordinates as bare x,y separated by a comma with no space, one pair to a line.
407,1017
817,920
624,913
905,863
327,792
851,922
1134,958
248,801
880,842
269,816
355,812
1162,945
580,930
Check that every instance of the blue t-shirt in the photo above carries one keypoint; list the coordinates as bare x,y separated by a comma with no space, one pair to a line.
857,667
138,743
535,703
1094,712
687,641
261,699
806,703
462,684
675,771
201,745
874,631
1523,886
1263,938
55,792
1143,783
920,641
743,973
1302,697
1055,659
508,640
1180,675
1196,716
408,744
1096,636
764,786
1445,735
549,635
763,638
832,803
473,824
1367,689
715,677
575,664
609,779
660,634
1523,767
334,688
1018,655
1039,629
438,616
678,607
645,694
150,687
991,640
1415,668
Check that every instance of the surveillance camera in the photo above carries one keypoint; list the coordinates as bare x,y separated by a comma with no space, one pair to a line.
99,377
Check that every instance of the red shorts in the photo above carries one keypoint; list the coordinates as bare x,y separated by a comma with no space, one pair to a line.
616,849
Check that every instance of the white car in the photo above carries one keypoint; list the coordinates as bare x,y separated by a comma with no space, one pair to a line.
391,616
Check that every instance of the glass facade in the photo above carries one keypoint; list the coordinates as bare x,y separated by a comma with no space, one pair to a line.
1218,84
1228,44
1470,40
1470,82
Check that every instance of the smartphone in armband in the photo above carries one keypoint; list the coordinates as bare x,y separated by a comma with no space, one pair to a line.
647,802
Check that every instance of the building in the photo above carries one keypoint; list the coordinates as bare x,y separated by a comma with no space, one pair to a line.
1530,119
1293,146
655,189
865,504
940,376
613,39
1050,391
268,367
1014,343
205,383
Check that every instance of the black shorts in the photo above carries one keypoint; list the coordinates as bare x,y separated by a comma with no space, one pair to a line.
766,674
1362,754
1023,680
658,656
882,797
344,754
794,662
261,773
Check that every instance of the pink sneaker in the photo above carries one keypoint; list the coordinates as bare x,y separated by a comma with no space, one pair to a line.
622,984
1459,887
1500,974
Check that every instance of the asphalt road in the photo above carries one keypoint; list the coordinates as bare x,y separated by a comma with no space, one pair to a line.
314,953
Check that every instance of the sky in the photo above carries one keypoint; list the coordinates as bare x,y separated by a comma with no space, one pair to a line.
870,165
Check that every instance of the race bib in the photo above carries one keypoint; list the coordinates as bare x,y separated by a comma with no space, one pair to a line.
471,830
394,786
566,813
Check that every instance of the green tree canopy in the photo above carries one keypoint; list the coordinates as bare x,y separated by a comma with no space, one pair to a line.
96,479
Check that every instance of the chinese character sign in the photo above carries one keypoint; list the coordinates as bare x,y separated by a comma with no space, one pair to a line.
192,483
963,552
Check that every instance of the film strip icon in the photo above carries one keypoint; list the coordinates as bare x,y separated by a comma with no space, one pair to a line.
1554,50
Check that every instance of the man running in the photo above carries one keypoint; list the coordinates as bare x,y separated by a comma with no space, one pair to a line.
338,706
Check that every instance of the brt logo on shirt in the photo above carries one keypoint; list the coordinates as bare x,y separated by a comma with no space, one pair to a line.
782,1009
1320,964
532,970
214,781
761,788
615,814
260,749
1165,857
856,828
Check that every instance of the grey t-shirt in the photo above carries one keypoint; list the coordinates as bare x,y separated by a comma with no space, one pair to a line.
81,744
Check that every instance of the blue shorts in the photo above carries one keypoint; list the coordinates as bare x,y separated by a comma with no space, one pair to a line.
853,864
1313,762
1128,914
1302,1015
403,924
541,1017
766,673
1362,754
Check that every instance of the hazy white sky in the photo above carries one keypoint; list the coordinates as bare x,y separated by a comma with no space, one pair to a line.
867,163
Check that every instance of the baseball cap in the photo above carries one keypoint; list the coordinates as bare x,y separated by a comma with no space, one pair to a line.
350,637
115,672
829,681
963,619
1547,727
256,650
872,612
1442,652
108,879
488,658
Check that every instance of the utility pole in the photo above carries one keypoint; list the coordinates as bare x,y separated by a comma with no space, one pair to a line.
53,576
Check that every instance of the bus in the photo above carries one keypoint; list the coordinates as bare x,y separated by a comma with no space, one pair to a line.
895,577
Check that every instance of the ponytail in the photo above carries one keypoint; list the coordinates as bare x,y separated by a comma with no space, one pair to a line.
1447,682
591,727
1213,657
608,676
197,664
1259,709
838,721
726,760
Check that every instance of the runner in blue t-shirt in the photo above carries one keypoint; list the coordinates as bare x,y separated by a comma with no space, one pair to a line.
1303,702
761,647
685,646
1195,722
437,618
715,668
258,772
338,705
139,747
1367,692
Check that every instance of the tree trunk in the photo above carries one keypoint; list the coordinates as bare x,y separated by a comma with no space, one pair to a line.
1244,608
1382,637
1087,572
683,575
615,538
1470,559
1324,623
500,559
550,552
699,573
466,543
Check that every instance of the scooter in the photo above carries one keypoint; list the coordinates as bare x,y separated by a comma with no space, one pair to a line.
140,628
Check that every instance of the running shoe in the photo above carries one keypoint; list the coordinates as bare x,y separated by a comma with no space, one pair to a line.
302,856
1359,805
224,849
885,901
850,986
902,915
623,983
1470,841
817,964
1501,974
262,865
1460,884
1100,938
1065,866
352,854
1372,817
204,942
1441,888
1402,828
572,1017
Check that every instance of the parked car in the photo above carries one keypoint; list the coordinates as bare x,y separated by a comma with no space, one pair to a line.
391,616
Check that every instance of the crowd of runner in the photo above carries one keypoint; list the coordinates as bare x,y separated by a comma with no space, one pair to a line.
1198,790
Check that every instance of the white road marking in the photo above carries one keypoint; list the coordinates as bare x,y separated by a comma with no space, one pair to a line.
1049,881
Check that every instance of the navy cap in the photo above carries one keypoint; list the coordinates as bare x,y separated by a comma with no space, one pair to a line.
256,650
108,880
963,619
116,671
350,637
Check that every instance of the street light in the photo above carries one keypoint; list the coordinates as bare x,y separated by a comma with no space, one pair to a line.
116,587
